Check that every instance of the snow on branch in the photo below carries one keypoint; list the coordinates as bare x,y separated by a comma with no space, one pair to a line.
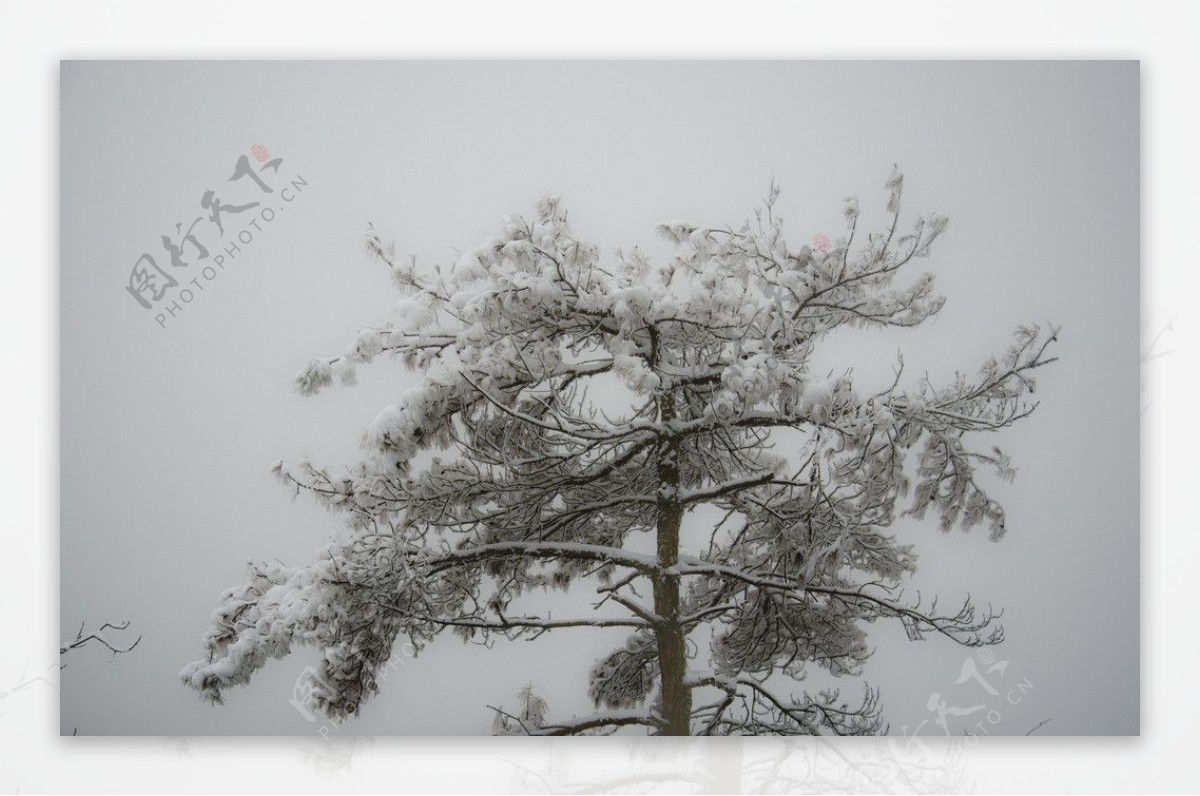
571,400
101,638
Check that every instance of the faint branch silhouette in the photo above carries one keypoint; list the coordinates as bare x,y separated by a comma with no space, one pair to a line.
99,637
787,765
1038,726
1151,350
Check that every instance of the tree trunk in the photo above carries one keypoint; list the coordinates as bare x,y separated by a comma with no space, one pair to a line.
672,650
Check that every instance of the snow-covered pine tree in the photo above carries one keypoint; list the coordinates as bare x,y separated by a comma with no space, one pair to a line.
541,484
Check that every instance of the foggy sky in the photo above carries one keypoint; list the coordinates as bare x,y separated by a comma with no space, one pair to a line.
168,433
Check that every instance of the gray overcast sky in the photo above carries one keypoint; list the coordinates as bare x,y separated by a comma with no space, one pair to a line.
168,433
